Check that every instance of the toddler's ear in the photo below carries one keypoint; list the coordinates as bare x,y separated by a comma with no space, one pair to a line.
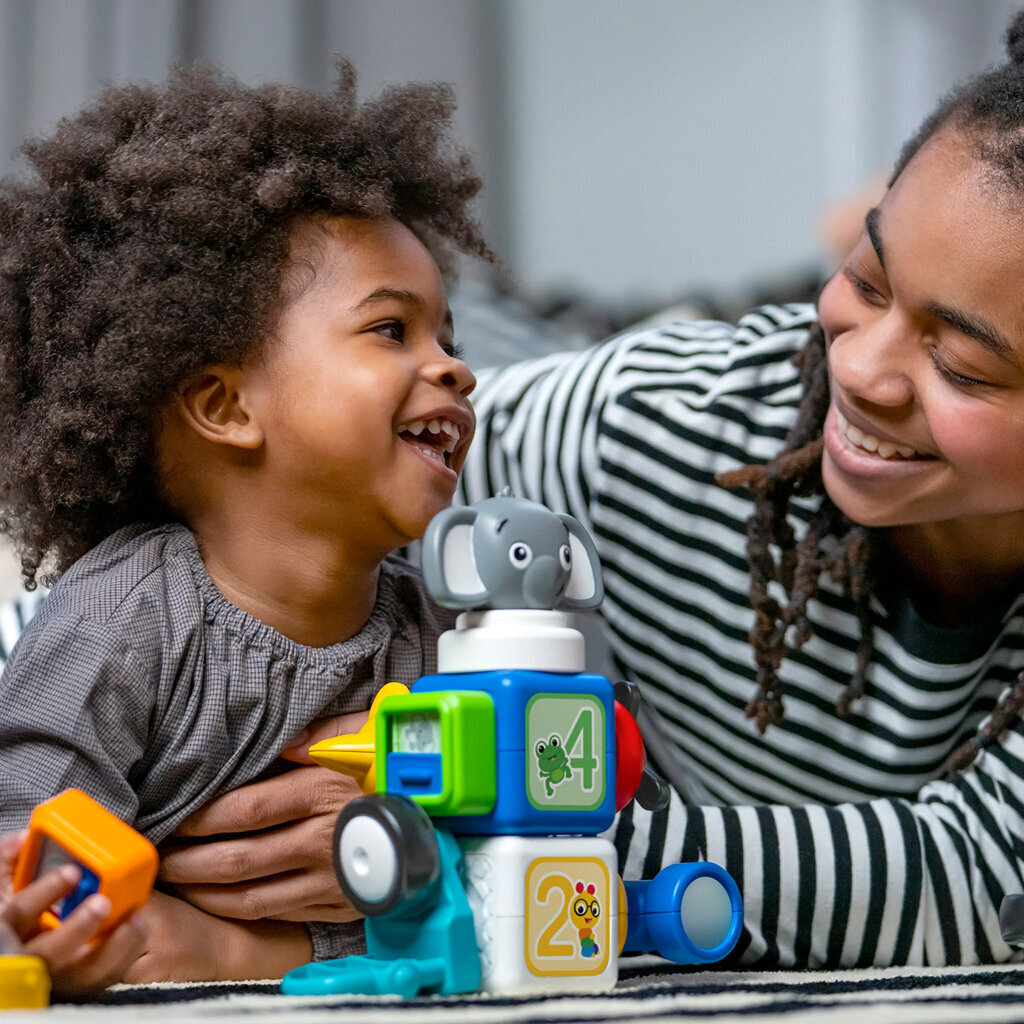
213,405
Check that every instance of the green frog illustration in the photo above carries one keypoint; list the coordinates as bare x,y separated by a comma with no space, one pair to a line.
552,763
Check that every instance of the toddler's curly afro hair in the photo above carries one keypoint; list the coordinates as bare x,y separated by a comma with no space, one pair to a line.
150,241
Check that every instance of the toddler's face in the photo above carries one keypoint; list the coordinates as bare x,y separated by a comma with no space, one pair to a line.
363,403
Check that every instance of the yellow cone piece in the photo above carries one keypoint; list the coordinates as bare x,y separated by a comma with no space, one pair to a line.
355,754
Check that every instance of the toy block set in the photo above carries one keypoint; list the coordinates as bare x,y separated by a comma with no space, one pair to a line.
475,852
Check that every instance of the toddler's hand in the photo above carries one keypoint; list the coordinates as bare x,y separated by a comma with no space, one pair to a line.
80,967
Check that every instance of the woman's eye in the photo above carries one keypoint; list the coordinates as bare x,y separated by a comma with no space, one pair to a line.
868,292
393,329
956,379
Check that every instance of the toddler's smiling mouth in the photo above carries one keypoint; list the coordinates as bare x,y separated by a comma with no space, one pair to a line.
437,437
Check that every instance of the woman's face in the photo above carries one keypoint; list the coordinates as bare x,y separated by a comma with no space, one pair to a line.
925,329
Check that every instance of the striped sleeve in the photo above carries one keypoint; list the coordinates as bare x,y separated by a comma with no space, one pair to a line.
539,422
879,883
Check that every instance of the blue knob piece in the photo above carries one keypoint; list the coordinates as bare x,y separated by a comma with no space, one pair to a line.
688,913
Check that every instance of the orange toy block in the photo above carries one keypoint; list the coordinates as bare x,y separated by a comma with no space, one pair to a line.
115,860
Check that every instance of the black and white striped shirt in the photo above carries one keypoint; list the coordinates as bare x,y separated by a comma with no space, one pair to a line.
848,845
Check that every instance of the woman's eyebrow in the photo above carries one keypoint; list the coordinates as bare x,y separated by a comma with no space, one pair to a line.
871,226
975,327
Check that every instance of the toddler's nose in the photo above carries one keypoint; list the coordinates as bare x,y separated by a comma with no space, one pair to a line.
454,373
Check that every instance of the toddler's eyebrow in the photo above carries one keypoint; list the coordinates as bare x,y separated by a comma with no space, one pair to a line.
397,295
389,295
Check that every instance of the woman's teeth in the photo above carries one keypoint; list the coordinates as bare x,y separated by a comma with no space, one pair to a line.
870,443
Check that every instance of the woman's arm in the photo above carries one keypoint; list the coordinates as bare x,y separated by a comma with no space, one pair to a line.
868,884
537,428
186,944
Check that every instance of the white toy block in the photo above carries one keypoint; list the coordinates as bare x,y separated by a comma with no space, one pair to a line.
546,912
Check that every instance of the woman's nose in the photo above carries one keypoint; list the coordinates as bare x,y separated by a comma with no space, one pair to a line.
874,363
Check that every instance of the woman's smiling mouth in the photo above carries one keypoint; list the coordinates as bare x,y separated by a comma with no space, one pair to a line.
871,444
856,453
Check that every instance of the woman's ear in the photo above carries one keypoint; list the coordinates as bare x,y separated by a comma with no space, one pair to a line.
212,404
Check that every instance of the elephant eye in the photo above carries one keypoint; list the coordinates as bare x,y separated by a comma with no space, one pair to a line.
565,557
520,555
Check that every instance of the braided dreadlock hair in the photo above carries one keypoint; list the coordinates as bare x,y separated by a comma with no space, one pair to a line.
831,544
987,110
151,240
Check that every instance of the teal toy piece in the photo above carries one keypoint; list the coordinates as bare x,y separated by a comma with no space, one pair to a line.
363,975
424,943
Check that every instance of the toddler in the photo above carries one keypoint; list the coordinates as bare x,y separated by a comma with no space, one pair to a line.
228,391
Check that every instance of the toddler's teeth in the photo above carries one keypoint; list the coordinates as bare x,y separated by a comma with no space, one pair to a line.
907,453
434,427
855,434
886,449
868,443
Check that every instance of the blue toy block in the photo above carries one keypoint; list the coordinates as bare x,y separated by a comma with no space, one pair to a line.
571,795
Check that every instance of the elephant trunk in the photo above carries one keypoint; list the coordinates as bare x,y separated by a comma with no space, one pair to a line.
544,582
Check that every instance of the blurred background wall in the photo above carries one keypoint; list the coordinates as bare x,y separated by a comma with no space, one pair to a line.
630,150
635,154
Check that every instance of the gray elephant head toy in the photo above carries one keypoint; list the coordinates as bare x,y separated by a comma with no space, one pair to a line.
507,552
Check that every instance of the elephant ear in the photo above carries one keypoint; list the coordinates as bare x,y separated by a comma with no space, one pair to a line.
449,566
585,588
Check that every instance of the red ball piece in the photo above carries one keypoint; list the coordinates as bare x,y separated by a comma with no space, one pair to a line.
629,757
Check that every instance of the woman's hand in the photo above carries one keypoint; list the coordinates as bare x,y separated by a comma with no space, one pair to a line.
271,851
184,944
81,966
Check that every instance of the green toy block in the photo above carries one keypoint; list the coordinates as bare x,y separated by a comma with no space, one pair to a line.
454,732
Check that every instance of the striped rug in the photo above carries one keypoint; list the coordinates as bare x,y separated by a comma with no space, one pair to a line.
647,992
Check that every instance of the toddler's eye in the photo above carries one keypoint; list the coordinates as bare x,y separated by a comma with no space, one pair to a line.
393,329
455,351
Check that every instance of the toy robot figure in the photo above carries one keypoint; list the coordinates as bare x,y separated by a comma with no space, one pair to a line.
487,785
